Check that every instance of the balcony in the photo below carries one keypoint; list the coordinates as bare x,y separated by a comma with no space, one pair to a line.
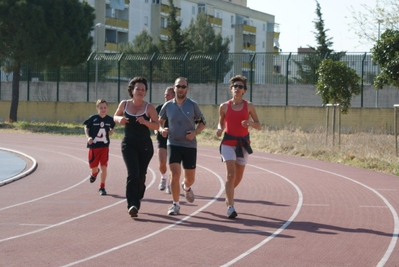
119,23
166,9
249,46
216,21
250,29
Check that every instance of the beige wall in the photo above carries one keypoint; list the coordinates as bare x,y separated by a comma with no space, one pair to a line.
274,117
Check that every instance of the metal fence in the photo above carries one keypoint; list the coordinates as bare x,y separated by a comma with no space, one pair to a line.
210,69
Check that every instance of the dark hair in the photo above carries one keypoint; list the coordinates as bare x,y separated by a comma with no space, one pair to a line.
170,88
182,78
239,78
133,82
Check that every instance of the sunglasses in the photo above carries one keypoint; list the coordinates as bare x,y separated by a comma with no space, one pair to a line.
181,86
238,85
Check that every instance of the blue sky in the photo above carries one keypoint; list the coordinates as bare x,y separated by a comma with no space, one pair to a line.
296,22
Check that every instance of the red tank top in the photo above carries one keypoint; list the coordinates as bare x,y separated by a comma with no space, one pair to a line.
232,122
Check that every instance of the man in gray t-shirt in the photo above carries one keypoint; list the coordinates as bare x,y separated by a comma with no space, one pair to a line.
185,121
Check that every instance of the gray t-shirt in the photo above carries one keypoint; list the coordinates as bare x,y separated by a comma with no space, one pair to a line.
181,119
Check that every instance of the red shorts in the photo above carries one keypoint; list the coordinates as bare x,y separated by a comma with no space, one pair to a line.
98,156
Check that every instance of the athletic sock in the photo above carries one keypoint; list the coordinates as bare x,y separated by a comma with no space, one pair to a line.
102,185
176,203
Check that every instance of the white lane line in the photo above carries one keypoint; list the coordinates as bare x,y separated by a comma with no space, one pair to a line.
23,174
395,217
160,230
75,218
278,231
316,205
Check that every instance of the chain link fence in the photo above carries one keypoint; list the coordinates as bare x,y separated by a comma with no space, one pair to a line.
107,75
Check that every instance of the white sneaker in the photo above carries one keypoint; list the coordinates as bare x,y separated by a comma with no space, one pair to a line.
188,194
231,212
168,190
174,210
162,184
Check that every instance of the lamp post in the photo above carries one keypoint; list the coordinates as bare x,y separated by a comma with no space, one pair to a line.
96,57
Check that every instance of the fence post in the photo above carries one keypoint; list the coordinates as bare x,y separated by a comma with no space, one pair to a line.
395,127
251,74
217,77
119,76
151,72
88,77
361,83
28,85
286,80
58,84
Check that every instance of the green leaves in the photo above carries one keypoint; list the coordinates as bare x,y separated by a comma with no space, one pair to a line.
386,56
337,83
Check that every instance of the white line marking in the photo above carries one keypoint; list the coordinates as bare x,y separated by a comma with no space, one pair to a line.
395,233
278,231
21,175
160,230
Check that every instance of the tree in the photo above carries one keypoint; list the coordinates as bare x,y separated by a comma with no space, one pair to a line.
307,68
369,22
143,43
337,83
43,33
386,55
175,43
206,45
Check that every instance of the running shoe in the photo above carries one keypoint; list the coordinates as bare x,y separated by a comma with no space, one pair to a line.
231,212
174,210
102,191
168,190
133,211
162,184
188,194
94,177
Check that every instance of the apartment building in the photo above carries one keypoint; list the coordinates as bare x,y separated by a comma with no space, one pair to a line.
119,21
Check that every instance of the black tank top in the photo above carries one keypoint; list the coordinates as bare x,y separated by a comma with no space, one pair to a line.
134,130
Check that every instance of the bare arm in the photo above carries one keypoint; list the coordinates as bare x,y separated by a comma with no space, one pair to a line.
255,121
118,116
222,114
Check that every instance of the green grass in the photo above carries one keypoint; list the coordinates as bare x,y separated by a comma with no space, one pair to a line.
374,151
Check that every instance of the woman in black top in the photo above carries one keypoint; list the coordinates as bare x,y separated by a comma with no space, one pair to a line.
138,117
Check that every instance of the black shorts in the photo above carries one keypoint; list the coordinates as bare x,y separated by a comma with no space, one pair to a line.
161,141
185,155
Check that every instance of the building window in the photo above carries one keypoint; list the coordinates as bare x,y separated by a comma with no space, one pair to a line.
145,21
201,8
155,1
264,27
164,23
193,10
263,44
145,1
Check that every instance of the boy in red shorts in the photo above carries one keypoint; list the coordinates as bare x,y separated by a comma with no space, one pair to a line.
98,128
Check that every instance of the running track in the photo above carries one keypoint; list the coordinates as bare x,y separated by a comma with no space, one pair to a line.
292,212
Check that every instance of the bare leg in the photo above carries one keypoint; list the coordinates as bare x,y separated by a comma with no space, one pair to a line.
175,169
230,181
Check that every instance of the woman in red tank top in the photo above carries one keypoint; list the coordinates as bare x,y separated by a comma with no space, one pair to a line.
235,117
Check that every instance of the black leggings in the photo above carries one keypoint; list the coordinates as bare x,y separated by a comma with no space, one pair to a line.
137,156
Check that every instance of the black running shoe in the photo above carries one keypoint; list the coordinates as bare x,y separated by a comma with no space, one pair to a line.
93,178
102,191
133,211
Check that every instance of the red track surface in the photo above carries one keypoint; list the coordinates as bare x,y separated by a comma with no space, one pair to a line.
292,212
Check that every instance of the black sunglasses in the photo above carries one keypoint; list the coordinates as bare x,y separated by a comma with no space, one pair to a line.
181,86
238,85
